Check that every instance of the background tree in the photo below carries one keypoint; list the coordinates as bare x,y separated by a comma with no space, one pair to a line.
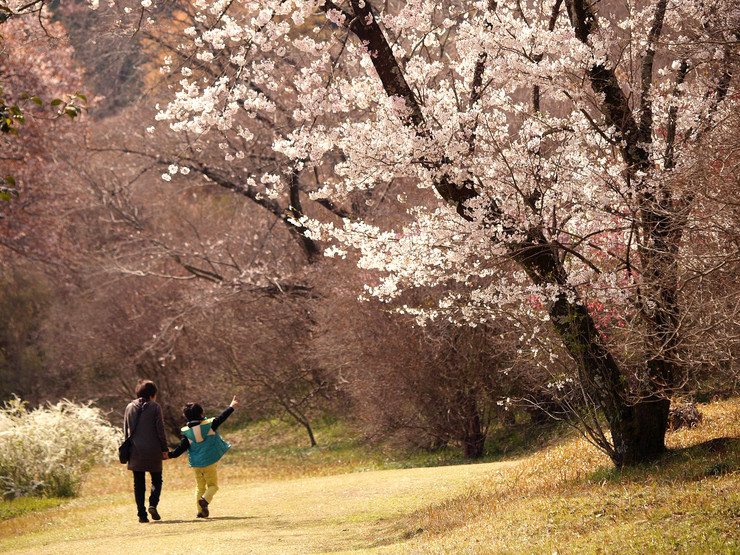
424,386
263,344
25,299
36,69
36,256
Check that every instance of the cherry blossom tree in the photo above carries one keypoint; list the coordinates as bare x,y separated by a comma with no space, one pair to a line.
227,156
552,140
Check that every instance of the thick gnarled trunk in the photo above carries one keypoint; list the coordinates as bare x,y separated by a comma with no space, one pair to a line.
637,425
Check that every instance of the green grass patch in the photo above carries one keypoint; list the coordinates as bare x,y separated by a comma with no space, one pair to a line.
280,449
24,505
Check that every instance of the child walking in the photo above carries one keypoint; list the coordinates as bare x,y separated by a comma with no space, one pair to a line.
205,448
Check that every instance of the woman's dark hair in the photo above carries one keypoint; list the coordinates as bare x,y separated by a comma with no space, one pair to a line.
146,389
193,411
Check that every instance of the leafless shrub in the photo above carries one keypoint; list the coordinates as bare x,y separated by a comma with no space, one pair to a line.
684,415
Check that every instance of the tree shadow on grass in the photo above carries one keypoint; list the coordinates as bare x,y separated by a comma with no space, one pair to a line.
716,445
718,456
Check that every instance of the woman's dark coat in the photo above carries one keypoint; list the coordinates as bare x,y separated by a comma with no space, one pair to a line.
149,440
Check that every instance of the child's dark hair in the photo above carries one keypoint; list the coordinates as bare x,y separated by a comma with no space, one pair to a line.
193,411
146,389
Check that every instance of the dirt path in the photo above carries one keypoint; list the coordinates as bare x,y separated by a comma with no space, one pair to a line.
350,513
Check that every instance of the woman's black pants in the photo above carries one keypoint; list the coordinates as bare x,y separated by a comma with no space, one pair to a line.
140,490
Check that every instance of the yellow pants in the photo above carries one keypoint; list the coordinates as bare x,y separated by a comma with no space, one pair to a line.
206,481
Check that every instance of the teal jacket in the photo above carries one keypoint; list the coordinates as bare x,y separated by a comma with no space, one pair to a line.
203,444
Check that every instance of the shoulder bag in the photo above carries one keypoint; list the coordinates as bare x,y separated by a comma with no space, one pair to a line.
124,450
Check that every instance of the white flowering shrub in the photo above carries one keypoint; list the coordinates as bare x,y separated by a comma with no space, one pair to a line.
46,451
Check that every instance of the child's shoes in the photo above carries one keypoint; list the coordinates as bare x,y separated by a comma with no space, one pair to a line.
203,508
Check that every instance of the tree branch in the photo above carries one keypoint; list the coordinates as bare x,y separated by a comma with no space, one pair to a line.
615,105
646,76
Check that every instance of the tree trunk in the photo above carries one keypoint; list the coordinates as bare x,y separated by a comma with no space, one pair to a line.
639,436
473,436
473,445
307,425
299,417
637,426
303,421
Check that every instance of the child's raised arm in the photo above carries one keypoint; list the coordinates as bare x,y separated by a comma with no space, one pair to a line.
221,418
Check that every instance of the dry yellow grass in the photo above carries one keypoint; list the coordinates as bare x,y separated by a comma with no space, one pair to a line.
569,499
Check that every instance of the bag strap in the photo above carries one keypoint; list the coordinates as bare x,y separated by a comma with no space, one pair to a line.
136,421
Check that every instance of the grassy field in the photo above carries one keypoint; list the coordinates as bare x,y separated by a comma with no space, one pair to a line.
343,497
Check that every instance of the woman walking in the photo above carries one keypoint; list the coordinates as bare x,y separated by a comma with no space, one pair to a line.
144,423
